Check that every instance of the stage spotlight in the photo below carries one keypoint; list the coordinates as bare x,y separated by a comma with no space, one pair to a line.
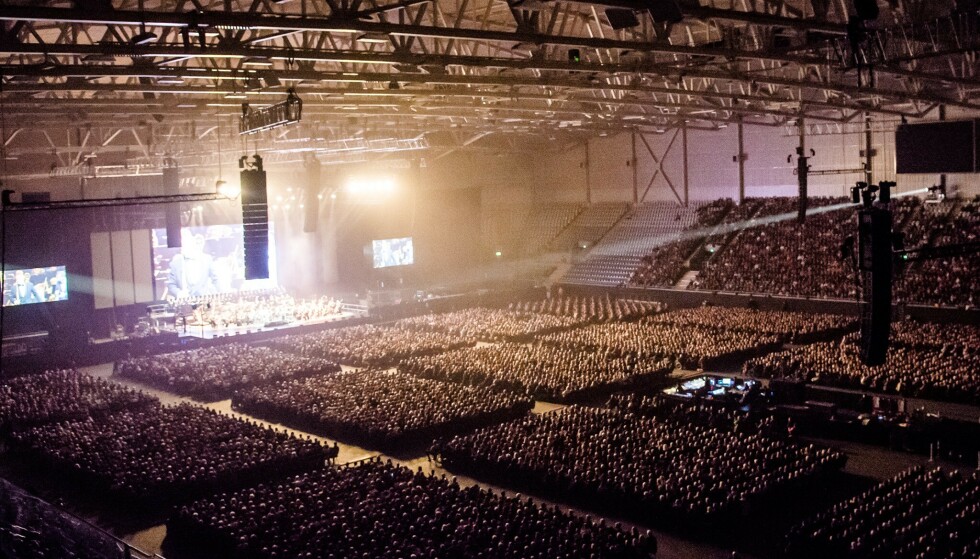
229,191
370,187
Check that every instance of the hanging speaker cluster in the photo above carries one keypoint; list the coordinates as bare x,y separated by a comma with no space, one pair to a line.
171,186
255,218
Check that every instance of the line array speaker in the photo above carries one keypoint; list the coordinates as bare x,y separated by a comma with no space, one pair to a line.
255,222
171,185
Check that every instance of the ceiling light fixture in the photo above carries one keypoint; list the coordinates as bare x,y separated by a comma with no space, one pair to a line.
256,61
372,37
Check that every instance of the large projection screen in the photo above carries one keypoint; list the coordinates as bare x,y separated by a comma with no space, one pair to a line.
211,260
392,252
26,286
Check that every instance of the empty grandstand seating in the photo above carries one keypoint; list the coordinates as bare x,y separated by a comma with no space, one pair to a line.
609,271
589,226
545,223
613,261
646,226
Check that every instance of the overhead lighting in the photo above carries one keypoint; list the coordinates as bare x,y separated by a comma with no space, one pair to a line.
227,190
143,38
235,95
273,116
256,61
170,80
372,37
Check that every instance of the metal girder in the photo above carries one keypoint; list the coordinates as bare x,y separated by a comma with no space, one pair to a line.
465,65
697,57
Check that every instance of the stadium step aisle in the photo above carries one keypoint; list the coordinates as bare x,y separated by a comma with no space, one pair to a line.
686,279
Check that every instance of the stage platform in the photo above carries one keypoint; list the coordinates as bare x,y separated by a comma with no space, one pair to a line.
207,332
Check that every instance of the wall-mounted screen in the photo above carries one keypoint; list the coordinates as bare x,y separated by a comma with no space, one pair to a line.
34,285
211,260
392,252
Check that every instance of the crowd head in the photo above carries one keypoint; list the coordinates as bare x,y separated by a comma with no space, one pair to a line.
381,510
378,408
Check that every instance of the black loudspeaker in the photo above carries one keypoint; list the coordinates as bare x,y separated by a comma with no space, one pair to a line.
802,176
311,200
875,263
171,185
621,18
665,11
255,222
866,9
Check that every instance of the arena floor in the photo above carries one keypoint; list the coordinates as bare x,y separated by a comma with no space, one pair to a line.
147,531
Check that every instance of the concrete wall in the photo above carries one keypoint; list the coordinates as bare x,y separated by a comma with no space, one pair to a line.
603,169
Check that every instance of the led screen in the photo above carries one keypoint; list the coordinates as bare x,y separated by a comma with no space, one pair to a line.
211,260
392,252
34,285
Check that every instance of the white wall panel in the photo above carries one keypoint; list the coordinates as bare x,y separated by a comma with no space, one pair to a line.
122,268
101,270
142,266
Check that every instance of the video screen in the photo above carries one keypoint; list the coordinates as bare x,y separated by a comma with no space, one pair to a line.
393,252
211,260
35,285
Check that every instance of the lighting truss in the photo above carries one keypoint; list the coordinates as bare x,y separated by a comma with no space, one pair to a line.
273,116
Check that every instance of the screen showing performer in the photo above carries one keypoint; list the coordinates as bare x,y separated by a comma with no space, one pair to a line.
393,252
211,260
35,285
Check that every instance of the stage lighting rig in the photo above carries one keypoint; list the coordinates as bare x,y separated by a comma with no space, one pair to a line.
273,116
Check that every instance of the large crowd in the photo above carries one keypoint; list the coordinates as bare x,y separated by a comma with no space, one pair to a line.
631,464
786,258
789,326
379,409
923,513
33,529
166,454
590,308
369,345
937,374
665,264
488,324
258,308
543,371
687,346
214,373
947,336
380,510
60,395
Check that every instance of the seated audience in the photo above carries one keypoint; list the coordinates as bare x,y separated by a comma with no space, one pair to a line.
381,510
488,324
60,395
787,325
590,308
370,345
689,347
33,529
645,466
379,409
547,372
214,373
937,374
167,453
923,513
